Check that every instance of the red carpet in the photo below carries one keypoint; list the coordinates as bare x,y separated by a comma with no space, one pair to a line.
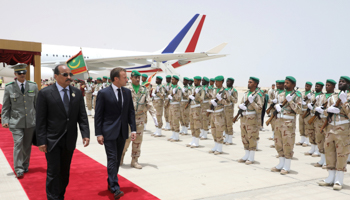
88,178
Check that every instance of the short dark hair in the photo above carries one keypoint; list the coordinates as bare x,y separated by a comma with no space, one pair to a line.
56,70
116,73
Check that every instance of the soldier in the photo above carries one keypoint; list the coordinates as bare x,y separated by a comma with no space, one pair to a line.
319,121
109,81
205,106
76,83
175,94
190,82
97,88
185,112
144,83
211,83
304,139
89,89
104,82
280,89
158,102
272,98
18,114
250,121
167,86
218,117
196,97
310,129
337,135
285,125
232,96
141,99
211,88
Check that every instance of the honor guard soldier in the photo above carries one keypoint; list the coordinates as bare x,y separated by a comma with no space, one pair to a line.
76,83
190,83
306,98
89,89
104,82
194,102
232,97
18,114
175,95
141,100
144,82
337,135
211,88
274,121
97,88
185,112
158,96
272,98
109,81
250,123
205,105
167,86
288,106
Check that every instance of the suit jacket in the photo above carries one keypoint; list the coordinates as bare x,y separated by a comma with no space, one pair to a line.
53,121
111,120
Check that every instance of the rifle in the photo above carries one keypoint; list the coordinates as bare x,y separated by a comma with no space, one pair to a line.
307,113
317,114
189,100
330,115
240,111
274,114
172,95
216,100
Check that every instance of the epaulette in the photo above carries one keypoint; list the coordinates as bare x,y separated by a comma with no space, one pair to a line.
31,82
259,94
234,89
9,83
179,87
298,93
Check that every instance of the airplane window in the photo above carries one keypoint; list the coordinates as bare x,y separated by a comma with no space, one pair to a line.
63,56
88,57
56,55
47,54
53,55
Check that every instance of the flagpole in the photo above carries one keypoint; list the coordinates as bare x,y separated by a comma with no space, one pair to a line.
84,61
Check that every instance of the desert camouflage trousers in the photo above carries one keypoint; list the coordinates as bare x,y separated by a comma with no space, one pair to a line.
195,121
88,97
205,119
250,131
94,100
320,137
337,146
309,130
285,137
166,110
159,106
301,124
228,111
136,144
185,113
174,113
217,126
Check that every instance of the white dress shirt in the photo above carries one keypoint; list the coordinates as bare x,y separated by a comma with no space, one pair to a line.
115,89
60,90
20,84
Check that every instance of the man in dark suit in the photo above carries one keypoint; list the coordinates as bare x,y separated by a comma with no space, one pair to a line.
59,108
114,113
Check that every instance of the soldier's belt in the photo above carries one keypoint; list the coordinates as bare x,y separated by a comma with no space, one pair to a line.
195,106
205,101
155,98
285,116
337,123
216,111
173,103
249,113
229,104
323,116
184,100
303,109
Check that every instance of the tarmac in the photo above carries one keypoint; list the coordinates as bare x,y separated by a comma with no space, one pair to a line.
173,171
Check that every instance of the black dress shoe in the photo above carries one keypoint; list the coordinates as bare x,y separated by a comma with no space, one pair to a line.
110,189
118,194
20,175
26,170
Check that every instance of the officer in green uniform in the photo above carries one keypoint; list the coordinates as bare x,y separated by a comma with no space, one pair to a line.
18,114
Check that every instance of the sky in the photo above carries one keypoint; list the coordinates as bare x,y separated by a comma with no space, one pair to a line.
268,39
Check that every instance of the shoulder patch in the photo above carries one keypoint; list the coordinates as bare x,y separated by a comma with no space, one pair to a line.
234,89
9,83
31,82
298,94
259,94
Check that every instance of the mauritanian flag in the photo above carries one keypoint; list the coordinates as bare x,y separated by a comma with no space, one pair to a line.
149,80
77,64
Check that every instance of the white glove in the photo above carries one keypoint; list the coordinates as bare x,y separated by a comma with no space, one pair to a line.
242,106
196,90
154,95
309,96
304,103
213,103
274,101
309,105
319,110
170,97
229,92
278,107
289,97
218,96
167,88
251,98
343,97
174,90
155,121
317,97
157,88
95,93
191,97
333,109
183,90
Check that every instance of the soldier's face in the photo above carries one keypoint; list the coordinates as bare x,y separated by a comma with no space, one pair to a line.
197,82
342,85
251,84
229,83
289,85
174,81
280,86
211,82
273,87
185,82
158,81
144,79
135,80
168,80
190,82
218,84
307,87
20,77
61,78
318,88
330,87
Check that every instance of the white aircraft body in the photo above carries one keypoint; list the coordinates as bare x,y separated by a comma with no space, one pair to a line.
180,51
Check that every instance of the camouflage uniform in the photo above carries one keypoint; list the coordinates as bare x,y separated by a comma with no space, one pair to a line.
97,88
88,95
302,124
166,105
232,98
196,115
205,105
174,111
185,113
272,95
158,102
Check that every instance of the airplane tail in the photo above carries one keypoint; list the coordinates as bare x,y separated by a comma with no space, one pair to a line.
186,40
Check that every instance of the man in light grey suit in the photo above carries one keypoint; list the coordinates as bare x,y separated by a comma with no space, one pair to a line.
18,114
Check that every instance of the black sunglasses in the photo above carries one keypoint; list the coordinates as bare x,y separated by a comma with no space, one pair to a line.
67,74
22,73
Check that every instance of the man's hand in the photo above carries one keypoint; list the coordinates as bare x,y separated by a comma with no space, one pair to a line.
333,109
133,136
5,125
86,142
155,121
242,106
218,96
196,90
309,105
154,95
251,98
170,97
100,139
213,102
43,148
343,97
319,110
289,97
191,97
309,96
274,101
304,103
278,107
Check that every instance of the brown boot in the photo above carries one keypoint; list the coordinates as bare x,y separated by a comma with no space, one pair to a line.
135,164
122,159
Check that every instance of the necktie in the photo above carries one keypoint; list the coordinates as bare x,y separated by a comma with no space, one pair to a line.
119,98
22,88
66,100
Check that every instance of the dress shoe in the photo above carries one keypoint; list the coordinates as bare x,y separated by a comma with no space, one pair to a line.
337,187
317,165
298,144
118,194
324,166
110,189
217,152
241,160
323,183
272,146
20,175
305,145
274,169
248,162
307,154
26,170
284,172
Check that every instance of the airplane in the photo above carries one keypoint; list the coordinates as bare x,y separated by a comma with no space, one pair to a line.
179,52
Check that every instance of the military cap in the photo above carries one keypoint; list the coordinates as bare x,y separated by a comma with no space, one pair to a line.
127,78
191,79
331,81
229,78
206,78
186,78
104,77
168,76
135,73
145,75
20,68
291,78
309,83
257,80
280,81
176,77
346,78
99,78
161,78
90,77
197,78
320,83
109,78
219,78
74,79
212,79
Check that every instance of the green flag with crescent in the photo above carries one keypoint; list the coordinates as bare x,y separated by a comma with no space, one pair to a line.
77,64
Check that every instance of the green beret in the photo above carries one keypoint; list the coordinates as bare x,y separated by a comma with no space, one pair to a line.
345,78
99,78
90,77
309,83
257,80
280,81
109,78
74,79
331,81
127,78
135,73
206,78
145,75
186,78
161,78
320,83
105,77
291,78
232,79
176,77
191,79
212,79
219,78
168,76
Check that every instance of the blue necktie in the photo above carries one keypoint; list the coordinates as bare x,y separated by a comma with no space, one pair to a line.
66,100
